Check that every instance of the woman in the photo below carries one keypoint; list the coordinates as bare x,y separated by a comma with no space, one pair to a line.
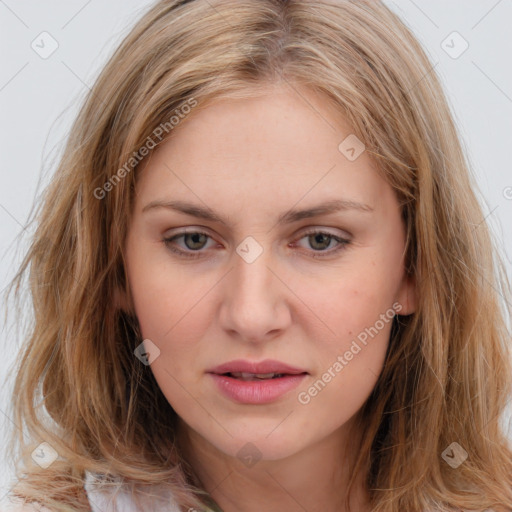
262,369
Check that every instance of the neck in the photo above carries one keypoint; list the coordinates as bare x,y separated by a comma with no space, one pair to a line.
315,478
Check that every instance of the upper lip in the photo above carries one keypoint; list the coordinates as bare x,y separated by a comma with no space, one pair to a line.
266,366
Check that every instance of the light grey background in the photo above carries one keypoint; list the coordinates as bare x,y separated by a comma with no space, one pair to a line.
40,96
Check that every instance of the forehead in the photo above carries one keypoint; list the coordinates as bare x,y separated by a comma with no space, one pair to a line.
277,147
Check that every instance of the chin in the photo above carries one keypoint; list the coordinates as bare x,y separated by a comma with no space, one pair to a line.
254,443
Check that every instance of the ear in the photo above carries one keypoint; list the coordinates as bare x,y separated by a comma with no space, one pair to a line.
407,295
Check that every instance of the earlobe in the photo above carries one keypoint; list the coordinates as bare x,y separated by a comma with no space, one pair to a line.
407,296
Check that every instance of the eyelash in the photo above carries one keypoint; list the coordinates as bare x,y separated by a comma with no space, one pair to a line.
198,254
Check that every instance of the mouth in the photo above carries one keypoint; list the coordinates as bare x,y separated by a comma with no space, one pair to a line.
248,382
245,369
248,377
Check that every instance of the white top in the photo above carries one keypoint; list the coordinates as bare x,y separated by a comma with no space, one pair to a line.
109,499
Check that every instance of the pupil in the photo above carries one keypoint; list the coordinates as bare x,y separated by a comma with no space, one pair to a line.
194,237
321,236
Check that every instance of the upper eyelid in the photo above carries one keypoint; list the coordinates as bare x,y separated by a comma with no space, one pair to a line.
342,238
342,244
302,233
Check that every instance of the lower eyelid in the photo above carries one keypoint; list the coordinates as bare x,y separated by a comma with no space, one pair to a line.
341,244
168,241
337,238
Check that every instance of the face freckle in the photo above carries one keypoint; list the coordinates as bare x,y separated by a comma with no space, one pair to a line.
250,161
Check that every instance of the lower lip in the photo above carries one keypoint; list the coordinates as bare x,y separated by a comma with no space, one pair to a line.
256,391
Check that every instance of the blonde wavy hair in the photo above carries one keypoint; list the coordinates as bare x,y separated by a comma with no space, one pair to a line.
447,375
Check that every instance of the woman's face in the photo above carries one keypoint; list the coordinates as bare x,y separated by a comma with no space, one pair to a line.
261,281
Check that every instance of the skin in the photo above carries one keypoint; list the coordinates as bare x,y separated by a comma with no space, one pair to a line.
250,160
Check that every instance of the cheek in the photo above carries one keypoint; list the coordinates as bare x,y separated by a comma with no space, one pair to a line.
173,317
351,358
175,312
348,304
164,297
352,337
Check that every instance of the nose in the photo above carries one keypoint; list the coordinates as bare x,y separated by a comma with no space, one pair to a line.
255,301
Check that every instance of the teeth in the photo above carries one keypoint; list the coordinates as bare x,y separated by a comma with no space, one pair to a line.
254,376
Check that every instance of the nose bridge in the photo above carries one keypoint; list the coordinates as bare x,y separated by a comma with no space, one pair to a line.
252,273
253,304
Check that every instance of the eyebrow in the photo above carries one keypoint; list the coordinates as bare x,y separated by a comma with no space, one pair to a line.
288,217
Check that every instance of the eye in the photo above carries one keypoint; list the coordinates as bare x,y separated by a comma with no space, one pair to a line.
196,240
320,240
